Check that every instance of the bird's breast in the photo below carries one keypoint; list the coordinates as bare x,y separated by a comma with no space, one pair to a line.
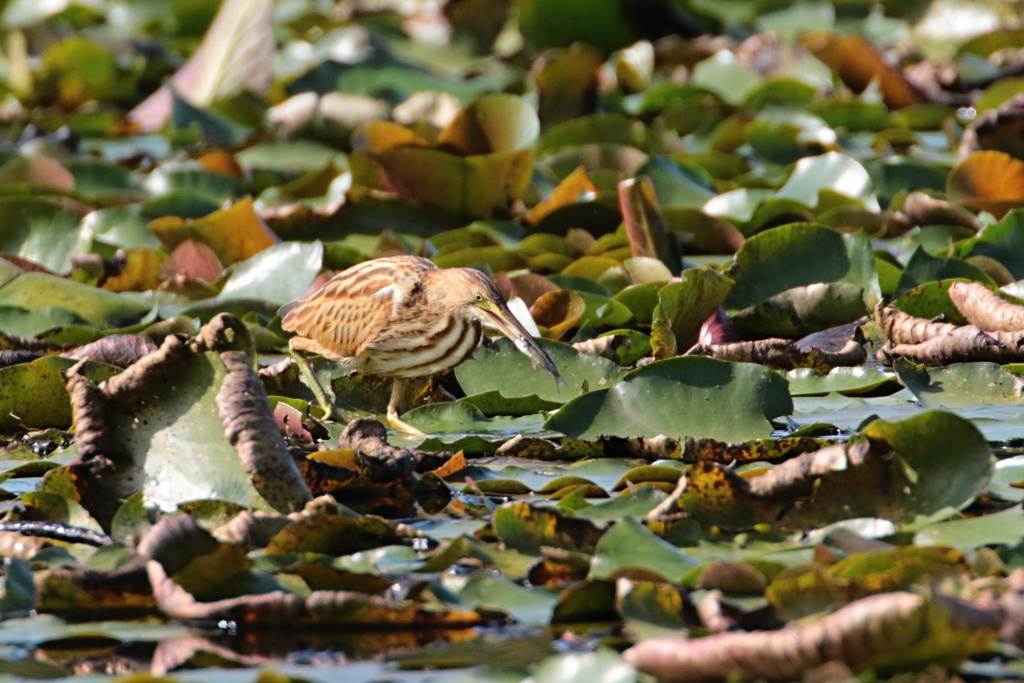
420,350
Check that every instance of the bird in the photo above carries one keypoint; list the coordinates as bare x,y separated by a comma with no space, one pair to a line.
402,317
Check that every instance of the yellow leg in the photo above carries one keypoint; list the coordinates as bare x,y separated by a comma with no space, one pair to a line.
318,390
397,394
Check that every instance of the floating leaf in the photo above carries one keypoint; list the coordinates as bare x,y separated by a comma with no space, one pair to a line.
807,382
683,307
42,231
278,274
858,63
501,367
923,268
799,254
961,385
801,311
235,233
467,186
688,396
833,172
492,123
989,180
33,394
39,292
207,433
527,528
622,547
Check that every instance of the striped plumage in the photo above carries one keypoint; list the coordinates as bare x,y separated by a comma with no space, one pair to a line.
403,317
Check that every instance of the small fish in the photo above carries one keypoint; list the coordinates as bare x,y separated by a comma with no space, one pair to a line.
539,356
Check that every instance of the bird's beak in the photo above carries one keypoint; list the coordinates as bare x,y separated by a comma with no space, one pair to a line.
502,317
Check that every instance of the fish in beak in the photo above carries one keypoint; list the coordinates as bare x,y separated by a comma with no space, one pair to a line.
500,316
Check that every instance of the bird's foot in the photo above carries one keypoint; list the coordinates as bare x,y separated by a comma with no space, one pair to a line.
401,425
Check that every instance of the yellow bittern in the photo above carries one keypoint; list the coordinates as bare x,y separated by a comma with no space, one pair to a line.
401,317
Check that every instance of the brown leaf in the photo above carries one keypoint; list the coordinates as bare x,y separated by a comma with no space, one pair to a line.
858,63
990,180
234,234
117,349
574,187
558,312
192,259
645,226
986,309
278,608
895,629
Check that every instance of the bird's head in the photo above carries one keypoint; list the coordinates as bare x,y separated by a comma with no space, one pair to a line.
477,297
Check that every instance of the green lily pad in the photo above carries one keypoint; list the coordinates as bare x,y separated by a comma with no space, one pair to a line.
32,323
464,418
492,403
683,307
961,385
833,172
922,268
1008,479
634,504
189,424
945,458
33,291
1001,528
33,394
931,300
42,231
629,544
678,397
801,311
798,254
675,185
851,381
501,367
529,606
1003,241
278,274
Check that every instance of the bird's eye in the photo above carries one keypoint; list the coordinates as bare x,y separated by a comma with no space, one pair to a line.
479,297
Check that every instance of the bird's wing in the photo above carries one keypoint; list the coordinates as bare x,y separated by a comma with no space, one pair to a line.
348,312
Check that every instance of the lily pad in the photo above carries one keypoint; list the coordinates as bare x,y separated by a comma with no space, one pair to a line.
678,397
961,385
501,367
683,307
34,291
33,394
188,423
627,542
42,231
850,381
278,274
833,171
799,254
923,268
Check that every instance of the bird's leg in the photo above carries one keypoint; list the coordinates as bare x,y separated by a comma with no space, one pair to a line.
397,394
308,375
